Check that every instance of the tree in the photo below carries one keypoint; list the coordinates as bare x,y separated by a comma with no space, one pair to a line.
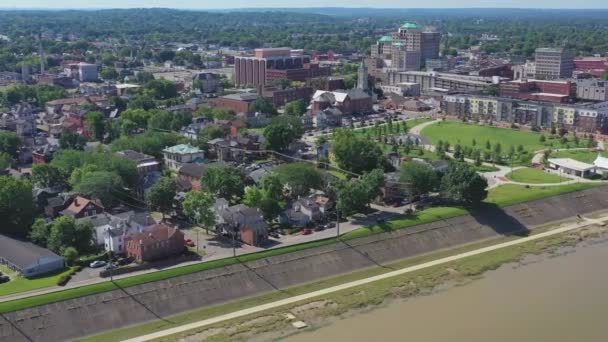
47,175
159,120
488,145
161,196
542,138
461,183
354,153
197,206
70,254
253,196
419,178
62,234
6,160
108,73
71,141
299,177
282,131
225,181
297,108
144,77
102,185
39,232
9,143
352,197
95,122
562,131
372,183
263,105
16,206
161,89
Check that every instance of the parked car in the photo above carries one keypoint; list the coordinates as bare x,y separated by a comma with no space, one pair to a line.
330,225
97,263
274,235
306,231
4,279
189,243
319,228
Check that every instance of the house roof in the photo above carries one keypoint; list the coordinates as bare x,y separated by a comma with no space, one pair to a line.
133,155
182,149
23,253
155,233
78,204
601,162
192,170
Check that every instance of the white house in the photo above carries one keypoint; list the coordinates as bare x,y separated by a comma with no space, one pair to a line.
177,155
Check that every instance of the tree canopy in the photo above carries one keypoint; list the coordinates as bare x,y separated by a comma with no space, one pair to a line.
224,181
354,153
16,206
282,131
462,183
299,177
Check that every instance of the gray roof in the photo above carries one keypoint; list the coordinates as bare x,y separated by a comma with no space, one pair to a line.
22,253
242,96
133,155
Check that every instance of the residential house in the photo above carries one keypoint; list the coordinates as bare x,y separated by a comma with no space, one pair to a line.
145,163
192,173
178,155
247,222
155,242
347,101
28,259
83,207
235,149
111,230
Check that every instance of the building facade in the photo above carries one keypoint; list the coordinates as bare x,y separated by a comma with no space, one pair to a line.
554,63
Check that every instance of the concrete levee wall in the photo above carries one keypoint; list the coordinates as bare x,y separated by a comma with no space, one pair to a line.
158,300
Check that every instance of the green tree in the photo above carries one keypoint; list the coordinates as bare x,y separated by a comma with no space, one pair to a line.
108,73
299,178
62,234
96,123
159,120
462,183
161,89
103,185
226,181
71,141
161,195
263,105
39,232
16,206
253,196
419,179
197,206
6,161
297,108
9,143
354,153
70,254
47,175
542,138
282,131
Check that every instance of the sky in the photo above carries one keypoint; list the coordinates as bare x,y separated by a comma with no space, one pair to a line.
213,4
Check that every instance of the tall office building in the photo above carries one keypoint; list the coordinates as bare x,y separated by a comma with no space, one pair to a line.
408,48
554,63
271,64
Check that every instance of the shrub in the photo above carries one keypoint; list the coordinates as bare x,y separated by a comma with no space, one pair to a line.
64,279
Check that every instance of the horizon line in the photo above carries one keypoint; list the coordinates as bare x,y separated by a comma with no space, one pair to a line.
16,8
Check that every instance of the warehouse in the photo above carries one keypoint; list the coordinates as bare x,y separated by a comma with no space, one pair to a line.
27,258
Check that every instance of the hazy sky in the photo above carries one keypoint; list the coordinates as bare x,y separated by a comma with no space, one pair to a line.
214,4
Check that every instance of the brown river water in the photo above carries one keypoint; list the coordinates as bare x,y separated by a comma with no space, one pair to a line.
549,298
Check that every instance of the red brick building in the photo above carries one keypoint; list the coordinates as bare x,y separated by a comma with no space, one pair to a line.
239,103
155,242
280,97
550,91
354,101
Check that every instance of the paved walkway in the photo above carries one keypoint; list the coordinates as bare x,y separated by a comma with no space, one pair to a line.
295,299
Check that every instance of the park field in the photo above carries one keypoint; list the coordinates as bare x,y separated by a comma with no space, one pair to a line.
534,176
463,134
585,156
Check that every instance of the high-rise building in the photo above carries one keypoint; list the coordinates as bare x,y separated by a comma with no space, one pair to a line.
87,72
408,48
271,64
554,63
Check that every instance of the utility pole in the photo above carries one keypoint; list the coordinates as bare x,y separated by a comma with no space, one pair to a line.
337,222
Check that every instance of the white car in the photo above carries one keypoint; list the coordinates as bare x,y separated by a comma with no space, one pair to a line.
97,263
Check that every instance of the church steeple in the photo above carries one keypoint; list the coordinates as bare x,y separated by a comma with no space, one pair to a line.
362,77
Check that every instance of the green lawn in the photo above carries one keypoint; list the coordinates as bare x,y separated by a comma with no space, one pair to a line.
485,168
534,176
463,134
20,284
586,156
510,194
338,174
502,196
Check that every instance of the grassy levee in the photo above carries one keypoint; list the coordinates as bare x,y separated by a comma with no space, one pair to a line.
349,299
501,196
534,176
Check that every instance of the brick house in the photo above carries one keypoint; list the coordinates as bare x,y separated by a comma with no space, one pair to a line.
155,242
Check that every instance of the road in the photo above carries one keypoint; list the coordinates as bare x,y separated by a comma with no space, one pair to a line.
295,299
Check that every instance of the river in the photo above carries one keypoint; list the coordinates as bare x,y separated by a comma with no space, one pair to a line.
562,298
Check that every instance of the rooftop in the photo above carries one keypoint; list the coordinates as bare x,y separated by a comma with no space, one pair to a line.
385,39
182,149
22,253
570,163
409,26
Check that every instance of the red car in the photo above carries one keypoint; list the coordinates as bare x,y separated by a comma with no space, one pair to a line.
306,231
189,243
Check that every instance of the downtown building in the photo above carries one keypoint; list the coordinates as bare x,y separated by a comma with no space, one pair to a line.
271,64
554,63
407,49
588,118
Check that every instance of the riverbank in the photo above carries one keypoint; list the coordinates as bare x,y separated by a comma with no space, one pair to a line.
335,304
